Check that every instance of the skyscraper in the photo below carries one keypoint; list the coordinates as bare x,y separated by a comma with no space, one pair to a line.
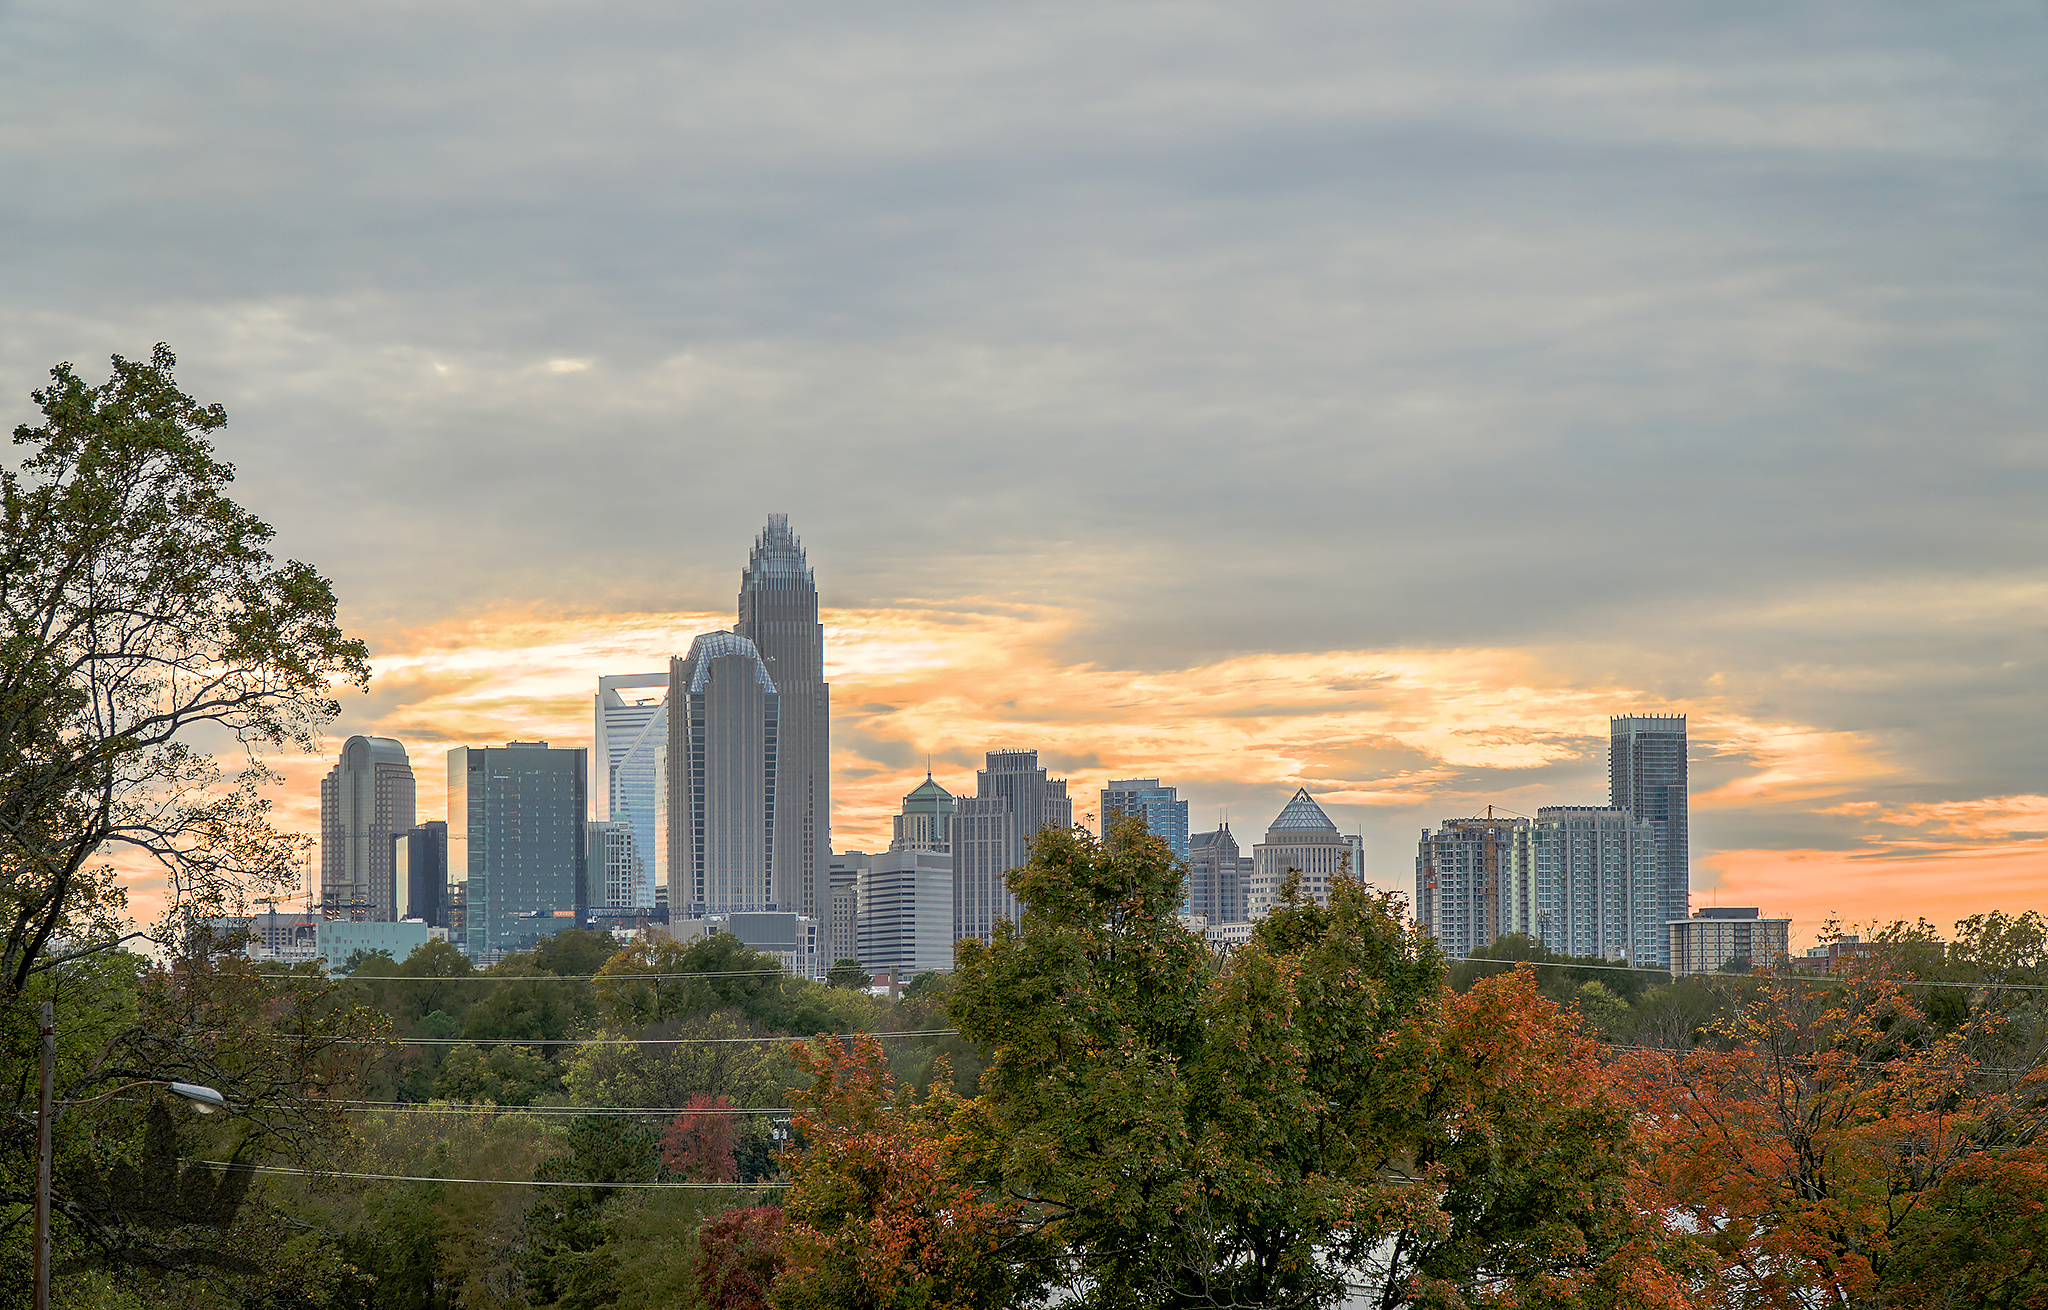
1302,838
516,816
1646,777
639,781
1218,877
926,823
420,860
364,800
992,833
1475,881
778,613
1164,813
1597,886
621,722
724,781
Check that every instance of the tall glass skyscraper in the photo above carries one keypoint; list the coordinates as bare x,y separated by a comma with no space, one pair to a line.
1646,777
366,799
631,747
778,614
724,781
1219,878
1597,884
516,816
1164,813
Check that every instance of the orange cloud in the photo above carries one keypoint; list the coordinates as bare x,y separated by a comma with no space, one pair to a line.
1386,730
1854,886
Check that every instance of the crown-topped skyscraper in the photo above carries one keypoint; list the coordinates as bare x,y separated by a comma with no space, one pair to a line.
778,612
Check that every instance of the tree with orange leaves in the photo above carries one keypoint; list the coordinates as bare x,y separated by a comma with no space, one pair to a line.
879,1212
1833,1147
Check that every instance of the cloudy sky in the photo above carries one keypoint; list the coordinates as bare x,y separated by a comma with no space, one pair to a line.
1366,397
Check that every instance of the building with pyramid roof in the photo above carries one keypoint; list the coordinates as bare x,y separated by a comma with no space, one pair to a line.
926,822
1301,838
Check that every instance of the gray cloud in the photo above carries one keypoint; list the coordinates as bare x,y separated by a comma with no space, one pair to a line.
1649,331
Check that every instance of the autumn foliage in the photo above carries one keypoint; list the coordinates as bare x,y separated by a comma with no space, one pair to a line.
1831,1146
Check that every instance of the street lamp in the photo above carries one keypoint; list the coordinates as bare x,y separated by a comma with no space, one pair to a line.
204,1099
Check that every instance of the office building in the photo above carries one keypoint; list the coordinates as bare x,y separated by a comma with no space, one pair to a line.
842,940
1475,880
1716,937
516,842
905,913
1646,777
1301,838
723,780
339,939
926,823
1597,886
419,858
627,762
364,799
778,614
992,832
1219,878
613,865
1164,813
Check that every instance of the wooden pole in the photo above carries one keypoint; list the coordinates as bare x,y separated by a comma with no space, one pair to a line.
44,1113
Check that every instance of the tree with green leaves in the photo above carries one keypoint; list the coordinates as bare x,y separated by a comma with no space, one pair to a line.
1323,1112
152,652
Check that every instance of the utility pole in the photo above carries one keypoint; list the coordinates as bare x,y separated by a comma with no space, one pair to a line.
44,1113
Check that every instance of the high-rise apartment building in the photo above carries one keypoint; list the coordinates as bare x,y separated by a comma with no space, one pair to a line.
992,832
516,815
926,823
778,613
364,800
1714,938
1300,839
724,778
1646,777
1164,813
1475,880
1219,878
1597,886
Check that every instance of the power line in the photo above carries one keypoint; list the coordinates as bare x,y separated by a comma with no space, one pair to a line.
1823,980
459,1107
488,1182
587,1041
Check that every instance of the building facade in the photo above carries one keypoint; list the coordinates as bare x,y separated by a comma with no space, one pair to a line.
843,942
1164,813
778,614
1647,777
1475,880
1301,838
516,842
420,872
366,798
723,780
1597,887
905,913
992,832
627,760
1219,878
1722,935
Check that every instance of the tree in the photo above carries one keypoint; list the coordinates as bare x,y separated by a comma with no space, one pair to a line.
1836,1147
882,1211
145,634
1323,1110
849,974
565,1263
703,1144
138,606
737,1256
